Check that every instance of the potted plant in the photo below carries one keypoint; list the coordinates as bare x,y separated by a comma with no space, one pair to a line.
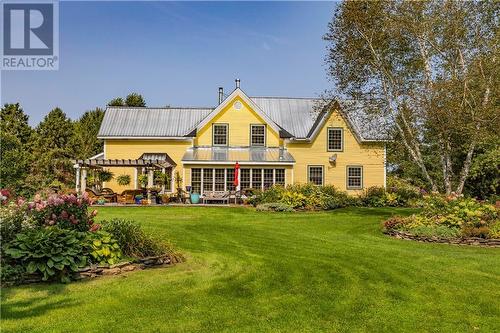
165,198
161,179
101,177
138,198
123,180
195,198
143,180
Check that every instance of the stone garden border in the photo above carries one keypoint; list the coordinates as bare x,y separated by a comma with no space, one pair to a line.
94,271
474,241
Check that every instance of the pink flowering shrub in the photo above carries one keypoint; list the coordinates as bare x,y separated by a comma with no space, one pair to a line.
65,211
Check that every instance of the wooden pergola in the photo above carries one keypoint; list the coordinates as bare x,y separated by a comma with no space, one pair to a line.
83,165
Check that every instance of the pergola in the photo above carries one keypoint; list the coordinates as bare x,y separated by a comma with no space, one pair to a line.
148,161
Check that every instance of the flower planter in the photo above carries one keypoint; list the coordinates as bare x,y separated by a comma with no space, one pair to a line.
195,198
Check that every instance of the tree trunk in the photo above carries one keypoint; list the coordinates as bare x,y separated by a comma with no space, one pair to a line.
465,169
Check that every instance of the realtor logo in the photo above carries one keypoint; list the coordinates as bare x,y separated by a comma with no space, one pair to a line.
30,35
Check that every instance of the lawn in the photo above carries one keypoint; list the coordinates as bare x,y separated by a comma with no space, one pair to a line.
274,272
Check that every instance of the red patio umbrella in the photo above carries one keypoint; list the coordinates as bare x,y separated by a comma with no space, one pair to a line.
236,170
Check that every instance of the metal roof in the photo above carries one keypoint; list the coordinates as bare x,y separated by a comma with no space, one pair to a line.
294,115
150,122
242,155
297,118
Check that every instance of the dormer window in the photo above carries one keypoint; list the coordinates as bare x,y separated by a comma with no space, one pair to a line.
335,139
258,135
220,134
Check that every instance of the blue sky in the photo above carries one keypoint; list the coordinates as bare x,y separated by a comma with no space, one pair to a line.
177,53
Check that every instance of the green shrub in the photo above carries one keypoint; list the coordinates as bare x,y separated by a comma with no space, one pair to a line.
434,230
495,230
102,248
11,273
294,199
134,242
13,219
51,251
374,197
275,207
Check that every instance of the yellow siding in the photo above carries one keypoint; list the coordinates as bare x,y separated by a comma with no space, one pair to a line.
239,126
132,149
370,156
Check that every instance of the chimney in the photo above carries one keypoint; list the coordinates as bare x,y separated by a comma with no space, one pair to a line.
221,94
237,83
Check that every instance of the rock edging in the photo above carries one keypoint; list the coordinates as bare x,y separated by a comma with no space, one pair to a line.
123,267
475,241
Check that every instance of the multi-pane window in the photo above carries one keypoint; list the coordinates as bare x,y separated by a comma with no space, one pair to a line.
244,179
258,135
315,174
220,134
279,177
256,178
230,180
196,180
220,180
354,177
268,178
335,139
208,180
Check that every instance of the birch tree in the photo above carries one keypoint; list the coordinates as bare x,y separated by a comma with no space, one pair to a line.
430,68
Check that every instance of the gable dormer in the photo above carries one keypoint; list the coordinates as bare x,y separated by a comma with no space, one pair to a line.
237,122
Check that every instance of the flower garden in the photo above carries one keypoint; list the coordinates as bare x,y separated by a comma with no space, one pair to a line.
58,239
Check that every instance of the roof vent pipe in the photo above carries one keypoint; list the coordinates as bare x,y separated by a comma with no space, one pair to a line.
237,83
221,94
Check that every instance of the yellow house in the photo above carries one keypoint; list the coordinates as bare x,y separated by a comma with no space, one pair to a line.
274,140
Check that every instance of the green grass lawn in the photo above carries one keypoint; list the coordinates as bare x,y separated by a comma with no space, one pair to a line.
274,272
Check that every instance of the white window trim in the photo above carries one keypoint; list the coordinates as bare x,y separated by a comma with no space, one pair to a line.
347,177
213,135
322,174
341,138
251,135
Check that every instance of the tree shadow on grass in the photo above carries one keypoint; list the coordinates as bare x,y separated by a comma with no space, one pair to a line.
34,301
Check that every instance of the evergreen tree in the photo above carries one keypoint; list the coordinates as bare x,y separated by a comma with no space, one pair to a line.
15,155
118,101
135,99
52,151
84,142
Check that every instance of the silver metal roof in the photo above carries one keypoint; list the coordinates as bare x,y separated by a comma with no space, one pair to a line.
150,122
241,155
299,117
295,115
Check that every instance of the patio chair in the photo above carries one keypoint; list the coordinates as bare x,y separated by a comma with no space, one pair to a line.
211,196
128,196
109,194
92,195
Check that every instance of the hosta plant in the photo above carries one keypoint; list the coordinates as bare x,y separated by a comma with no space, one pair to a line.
51,251
103,249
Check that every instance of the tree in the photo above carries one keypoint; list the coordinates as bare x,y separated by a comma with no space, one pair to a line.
431,68
15,156
14,121
118,101
84,141
52,151
134,99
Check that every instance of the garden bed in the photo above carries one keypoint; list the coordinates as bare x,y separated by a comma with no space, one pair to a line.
451,220
435,239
